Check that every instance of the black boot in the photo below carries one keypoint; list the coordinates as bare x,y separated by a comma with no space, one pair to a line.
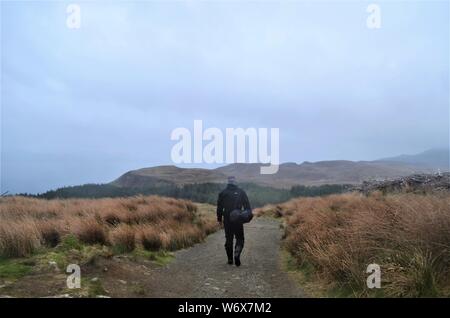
237,261
229,250
237,255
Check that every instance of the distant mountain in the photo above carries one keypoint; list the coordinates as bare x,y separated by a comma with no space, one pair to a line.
434,159
168,175
289,174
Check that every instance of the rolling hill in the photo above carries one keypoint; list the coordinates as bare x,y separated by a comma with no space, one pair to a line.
291,174
434,158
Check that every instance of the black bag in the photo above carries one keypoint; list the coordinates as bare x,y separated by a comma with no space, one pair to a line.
239,216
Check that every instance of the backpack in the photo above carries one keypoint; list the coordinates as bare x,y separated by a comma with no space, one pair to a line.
239,216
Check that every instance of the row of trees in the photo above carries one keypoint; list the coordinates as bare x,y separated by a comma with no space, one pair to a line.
199,192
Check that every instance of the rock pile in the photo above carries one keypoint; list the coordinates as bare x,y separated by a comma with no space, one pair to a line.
420,183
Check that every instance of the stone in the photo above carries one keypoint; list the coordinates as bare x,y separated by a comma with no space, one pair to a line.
53,265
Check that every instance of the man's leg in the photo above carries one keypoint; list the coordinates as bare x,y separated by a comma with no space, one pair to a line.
239,233
229,242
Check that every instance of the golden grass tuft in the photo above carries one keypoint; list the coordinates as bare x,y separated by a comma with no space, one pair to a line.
50,232
124,238
18,239
151,238
408,235
151,221
90,231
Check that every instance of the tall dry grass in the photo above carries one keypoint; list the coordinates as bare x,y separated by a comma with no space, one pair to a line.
28,223
408,235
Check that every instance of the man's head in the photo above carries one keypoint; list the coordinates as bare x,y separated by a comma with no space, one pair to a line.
231,180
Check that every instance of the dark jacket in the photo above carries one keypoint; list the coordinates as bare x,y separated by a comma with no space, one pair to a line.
229,199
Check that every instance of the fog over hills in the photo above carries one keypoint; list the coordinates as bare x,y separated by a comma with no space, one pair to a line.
433,158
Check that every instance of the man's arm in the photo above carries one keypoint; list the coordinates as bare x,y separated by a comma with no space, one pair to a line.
245,201
219,208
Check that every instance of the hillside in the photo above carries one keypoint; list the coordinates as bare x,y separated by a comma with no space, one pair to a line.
319,173
433,158
292,179
289,174
168,174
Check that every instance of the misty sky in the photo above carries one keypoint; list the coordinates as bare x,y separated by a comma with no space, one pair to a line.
86,105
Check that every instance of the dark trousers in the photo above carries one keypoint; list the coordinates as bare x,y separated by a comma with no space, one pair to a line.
234,231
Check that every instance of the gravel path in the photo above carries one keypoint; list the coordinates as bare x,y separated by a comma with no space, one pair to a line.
202,271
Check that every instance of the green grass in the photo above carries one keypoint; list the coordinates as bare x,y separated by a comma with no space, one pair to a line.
95,289
291,265
62,254
13,269
70,242
119,249
53,256
70,251
161,258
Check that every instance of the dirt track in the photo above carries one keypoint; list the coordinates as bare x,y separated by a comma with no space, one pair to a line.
202,271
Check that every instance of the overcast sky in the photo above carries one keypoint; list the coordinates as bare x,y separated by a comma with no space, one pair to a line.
86,105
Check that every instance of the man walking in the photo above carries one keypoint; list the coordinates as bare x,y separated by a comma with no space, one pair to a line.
231,198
